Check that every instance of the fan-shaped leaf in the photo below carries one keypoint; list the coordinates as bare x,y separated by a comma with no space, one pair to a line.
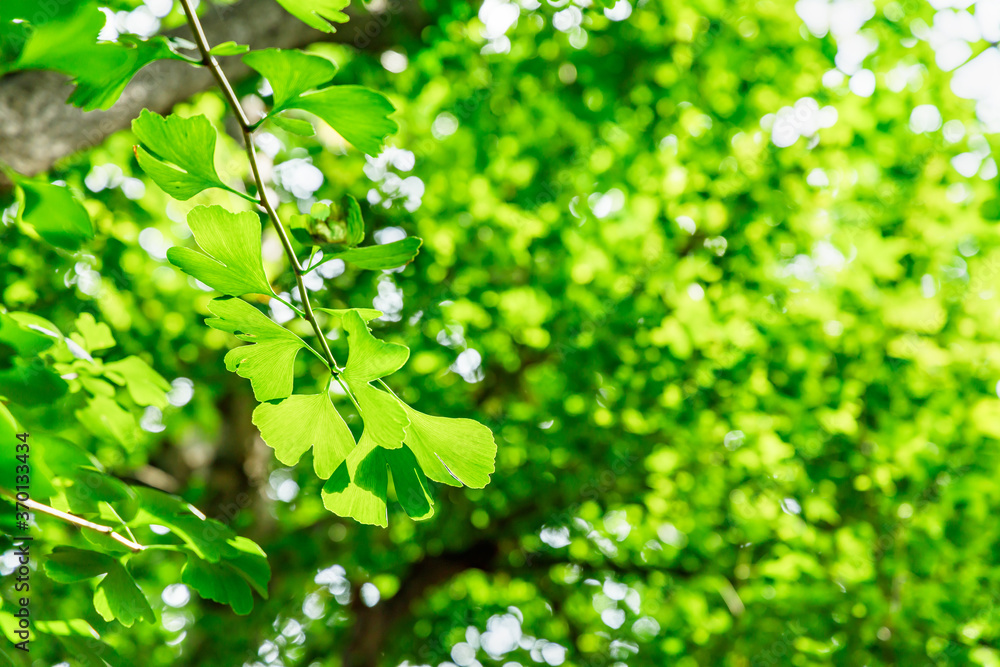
300,422
179,153
233,262
360,115
269,362
56,215
317,13
117,595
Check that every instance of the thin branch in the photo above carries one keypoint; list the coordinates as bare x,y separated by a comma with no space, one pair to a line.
71,518
247,128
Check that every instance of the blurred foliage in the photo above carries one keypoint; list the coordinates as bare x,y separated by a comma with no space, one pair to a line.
733,324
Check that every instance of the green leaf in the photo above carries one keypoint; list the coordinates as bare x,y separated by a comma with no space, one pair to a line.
290,72
117,596
56,215
145,385
303,421
233,263
337,315
387,256
179,153
106,419
229,581
360,487
269,363
91,335
22,341
298,126
370,359
229,49
31,382
317,13
68,42
331,227
451,451
69,565
100,89
208,538
360,115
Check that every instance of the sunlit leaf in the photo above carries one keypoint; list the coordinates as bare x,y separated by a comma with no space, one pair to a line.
302,421
67,41
56,214
269,362
145,385
317,13
91,335
386,256
229,49
371,359
360,115
290,72
233,262
359,488
178,153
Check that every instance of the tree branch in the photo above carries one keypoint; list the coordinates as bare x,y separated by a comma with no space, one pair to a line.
38,128
227,90
72,518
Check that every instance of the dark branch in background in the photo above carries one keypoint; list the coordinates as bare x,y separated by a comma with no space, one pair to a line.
38,127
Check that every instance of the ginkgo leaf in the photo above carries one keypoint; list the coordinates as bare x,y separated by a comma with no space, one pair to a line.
386,256
317,13
106,419
298,126
290,72
117,596
92,335
451,451
233,262
208,538
229,581
179,153
337,314
360,487
55,214
359,115
100,89
229,49
302,421
269,362
69,43
22,341
370,359
145,385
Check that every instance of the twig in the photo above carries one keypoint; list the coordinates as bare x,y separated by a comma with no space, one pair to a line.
248,128
83,523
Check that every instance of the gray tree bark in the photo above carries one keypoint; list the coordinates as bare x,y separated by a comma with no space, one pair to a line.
38,127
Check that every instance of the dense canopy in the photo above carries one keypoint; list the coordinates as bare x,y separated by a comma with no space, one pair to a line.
652,333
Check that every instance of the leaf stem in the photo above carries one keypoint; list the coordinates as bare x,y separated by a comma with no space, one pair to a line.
209,61
297,311
83,523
